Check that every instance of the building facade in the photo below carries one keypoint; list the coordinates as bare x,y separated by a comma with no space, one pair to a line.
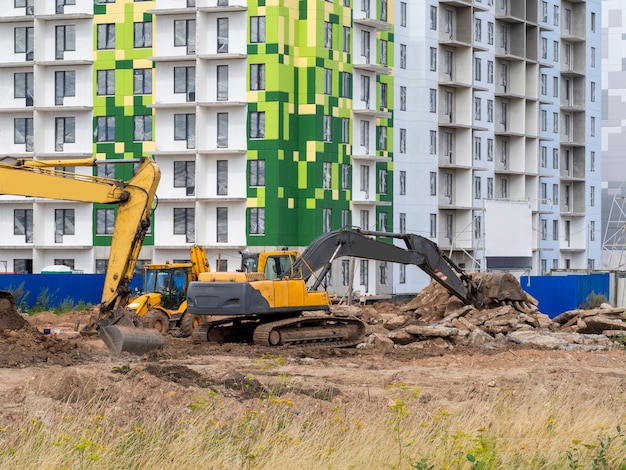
273,122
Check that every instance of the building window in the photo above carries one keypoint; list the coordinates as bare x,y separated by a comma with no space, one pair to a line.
65,39
555,230
477,69
257,125
383,10
592,92
23,132
364,273
544,229
222,130
383,53
328,137
403,56
143,35
63,224
365,90
142,128
328,35
257,77
345,176
327,220
257,221
185,82
222,224
383,95
477,187
592,196
106,36
555,52
184,223
23,86
402,98
185,129
142,81
185,35
365,218
544,84
365,179
346,39
382,221
105,82
257,172
24,41
592,126
593,22
477,109
555,122
365,135
257,29
64,85
22,266
592,233
433,183
105,221
23,224
490,33
382,138
402,183
489,150
489,71
555,15
478,30
555,194
222,83
64,262
327,175
402,224
222,35
345,218
185,176
345,130
65,132
382,181
328,81
433,18
433,100
365,46
433,226
544,120
345,90
222,177
544,156
592,161
433,142
403,14
478,227
477,148
345,272
433,59
402,140
489,110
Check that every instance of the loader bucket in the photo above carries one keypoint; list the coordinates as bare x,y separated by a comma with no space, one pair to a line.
132,339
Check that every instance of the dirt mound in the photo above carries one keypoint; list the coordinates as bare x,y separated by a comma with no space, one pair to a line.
23,344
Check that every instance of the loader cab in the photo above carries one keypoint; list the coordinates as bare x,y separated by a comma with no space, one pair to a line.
168,280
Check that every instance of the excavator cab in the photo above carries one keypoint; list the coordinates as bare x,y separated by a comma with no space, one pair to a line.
168,280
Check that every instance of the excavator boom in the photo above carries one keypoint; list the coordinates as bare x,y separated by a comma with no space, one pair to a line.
134,199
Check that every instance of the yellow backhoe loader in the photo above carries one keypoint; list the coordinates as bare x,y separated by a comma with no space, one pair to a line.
163,302
117,327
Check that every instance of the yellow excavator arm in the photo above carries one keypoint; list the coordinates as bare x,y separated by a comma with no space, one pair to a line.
134,198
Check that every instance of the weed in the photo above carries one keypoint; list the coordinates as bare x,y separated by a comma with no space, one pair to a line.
593,300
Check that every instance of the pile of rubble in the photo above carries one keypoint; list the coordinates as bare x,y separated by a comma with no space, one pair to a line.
434,318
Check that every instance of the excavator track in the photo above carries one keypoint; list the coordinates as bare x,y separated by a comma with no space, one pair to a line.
311,331
225,330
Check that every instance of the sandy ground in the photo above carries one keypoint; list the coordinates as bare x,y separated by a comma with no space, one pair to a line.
38,371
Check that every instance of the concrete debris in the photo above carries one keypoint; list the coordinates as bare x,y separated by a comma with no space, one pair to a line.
435,318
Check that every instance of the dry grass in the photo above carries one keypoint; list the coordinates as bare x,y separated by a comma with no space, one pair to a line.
522,428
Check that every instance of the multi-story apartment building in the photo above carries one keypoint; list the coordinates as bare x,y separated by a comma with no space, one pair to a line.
274,122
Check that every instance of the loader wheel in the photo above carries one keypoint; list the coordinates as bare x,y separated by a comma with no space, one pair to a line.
188,322
157,320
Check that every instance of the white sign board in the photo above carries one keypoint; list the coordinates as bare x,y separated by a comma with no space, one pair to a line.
508,234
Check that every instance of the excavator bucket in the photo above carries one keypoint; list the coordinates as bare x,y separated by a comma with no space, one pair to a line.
124,336
502,288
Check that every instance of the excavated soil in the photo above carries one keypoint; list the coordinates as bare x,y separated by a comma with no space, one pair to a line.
64,368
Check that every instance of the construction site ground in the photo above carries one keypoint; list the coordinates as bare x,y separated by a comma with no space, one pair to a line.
38,371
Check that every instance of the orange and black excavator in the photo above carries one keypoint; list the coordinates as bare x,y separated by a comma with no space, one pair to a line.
266,303
117,326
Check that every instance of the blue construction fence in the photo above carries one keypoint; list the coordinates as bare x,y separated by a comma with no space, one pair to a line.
56,290
558,294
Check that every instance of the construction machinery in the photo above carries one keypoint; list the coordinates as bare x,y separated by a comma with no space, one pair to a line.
163,302
266,304
134,199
